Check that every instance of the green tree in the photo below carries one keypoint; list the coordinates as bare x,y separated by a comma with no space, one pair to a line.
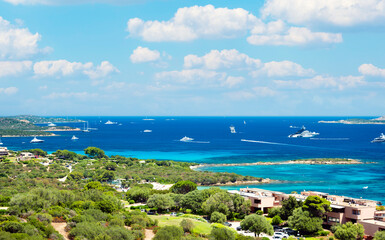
276,220
274,211
288,206
218,217
316,206
38,152
183,187
93,185
222,234
160,201
107,176
139,194
257,224
187,225
65,154
111,166
349,231
168,233
95,152
379,235
303,222
219,202
75,176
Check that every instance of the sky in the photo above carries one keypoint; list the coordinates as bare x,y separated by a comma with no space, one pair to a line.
192,57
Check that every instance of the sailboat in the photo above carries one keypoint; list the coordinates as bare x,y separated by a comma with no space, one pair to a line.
86,129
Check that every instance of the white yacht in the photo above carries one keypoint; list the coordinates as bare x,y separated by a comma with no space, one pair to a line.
232,129
147,131
35,140
1,143
379,139
74,138
110,123
186,139
51,124
303,133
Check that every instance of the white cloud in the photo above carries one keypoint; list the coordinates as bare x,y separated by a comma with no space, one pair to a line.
222,59
190,23
335,12
78,95
232,81
17,43
59,68
10,68
143,54
255,92
103,70
264,92
277,33
371,70
282,69
319,81
9,90
192,76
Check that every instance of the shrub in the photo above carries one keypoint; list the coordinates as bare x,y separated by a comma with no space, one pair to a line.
259,212
217,217
323,233
222,234
276,220
12,227
187,225
169,232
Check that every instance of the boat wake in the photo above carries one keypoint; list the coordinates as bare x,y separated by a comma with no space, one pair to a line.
274,143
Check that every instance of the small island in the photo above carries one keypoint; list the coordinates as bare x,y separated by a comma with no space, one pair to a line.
311,161
380,120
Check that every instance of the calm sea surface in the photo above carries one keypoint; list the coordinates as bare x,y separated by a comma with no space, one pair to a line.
213,143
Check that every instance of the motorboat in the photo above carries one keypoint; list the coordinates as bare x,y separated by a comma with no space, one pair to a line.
303,133
1,143
186,139
379,139
147,131
110,123
51,124
35,140
366,187
232,129
74,138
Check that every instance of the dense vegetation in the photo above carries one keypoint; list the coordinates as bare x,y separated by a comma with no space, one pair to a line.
41,120
25,126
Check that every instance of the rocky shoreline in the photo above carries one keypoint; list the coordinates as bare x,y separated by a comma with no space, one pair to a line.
315,161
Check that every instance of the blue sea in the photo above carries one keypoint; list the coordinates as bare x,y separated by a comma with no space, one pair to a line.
213,143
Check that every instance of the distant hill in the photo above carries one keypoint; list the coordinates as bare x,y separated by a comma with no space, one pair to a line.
15,127
380,120
24,125
41,120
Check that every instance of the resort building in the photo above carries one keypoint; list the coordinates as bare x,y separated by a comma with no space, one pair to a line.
262,199
3,152
24,156
344,209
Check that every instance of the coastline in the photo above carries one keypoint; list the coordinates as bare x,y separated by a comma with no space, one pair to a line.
304,161
62,130
353,122
35,135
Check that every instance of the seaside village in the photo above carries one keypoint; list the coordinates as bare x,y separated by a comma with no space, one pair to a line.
343,209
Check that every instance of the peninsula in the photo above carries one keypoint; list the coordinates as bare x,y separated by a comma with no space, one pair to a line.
22,126
312,161
380,120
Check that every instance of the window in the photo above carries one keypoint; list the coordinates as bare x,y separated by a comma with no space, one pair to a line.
333,219
257,201
356,212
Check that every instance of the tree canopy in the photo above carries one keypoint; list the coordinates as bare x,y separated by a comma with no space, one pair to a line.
349,231
316,206
257,224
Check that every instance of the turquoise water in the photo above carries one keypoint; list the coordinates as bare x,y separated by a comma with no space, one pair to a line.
213,143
